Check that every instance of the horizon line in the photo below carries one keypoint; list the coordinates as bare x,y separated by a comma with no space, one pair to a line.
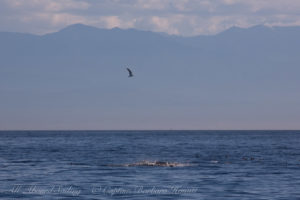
55,130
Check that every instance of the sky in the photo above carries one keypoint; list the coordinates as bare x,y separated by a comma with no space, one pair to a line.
179,17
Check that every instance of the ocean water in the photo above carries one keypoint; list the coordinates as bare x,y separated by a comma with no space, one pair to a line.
150,165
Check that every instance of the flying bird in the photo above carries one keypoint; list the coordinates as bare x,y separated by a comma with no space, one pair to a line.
130,72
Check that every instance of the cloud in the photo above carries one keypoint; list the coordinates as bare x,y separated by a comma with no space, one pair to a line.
276,6
113,22
152,4
47,5
182,17
166,24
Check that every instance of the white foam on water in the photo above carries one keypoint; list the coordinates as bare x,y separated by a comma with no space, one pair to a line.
146,163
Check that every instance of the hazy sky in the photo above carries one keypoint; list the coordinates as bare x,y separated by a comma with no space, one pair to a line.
253,85
181,17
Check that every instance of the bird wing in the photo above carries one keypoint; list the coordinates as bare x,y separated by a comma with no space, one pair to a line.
130,72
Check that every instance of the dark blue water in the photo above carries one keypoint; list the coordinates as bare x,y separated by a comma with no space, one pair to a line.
111,165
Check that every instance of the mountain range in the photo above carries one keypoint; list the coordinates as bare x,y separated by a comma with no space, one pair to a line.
76,78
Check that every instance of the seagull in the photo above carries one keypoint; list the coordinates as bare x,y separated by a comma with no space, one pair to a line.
130,72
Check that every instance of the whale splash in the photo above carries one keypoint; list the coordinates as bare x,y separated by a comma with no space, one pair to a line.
146,163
